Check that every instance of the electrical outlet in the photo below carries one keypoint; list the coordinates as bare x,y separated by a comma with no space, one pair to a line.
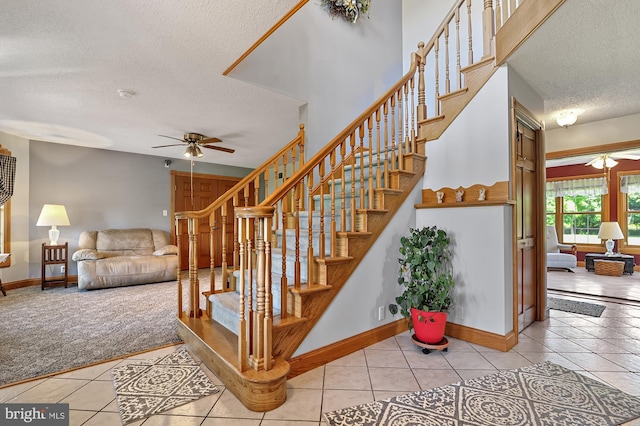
380,313
62,269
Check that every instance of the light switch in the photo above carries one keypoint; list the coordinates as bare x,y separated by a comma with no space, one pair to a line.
164,212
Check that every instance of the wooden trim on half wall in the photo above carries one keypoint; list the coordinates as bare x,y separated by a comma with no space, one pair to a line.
481,337
318,357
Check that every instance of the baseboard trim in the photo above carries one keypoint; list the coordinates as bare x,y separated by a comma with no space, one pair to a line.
310,360
480,337
32,282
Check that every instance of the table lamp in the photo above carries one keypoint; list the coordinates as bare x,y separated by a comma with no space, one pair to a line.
53,215
610,231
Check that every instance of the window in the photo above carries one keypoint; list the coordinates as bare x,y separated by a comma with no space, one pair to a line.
577,204
630,201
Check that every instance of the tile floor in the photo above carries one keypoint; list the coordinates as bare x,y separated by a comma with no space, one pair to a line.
588,283
605,348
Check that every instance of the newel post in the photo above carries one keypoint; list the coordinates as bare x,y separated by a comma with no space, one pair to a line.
488,29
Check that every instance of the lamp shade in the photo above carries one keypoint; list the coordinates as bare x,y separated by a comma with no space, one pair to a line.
610,231
53,215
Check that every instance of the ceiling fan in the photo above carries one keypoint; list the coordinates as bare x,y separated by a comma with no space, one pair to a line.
609,160
194,142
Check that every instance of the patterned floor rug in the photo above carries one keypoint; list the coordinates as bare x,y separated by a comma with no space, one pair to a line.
159,384
576,307
541,394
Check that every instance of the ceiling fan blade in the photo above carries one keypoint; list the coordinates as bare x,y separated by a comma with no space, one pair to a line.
164,146
626,157
219,148
171,137
593,161
210,140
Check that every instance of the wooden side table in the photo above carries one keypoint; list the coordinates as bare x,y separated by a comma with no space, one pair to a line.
55,255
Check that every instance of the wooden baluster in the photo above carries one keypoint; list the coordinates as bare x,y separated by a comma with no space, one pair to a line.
371,181
212,249
499,20
436,49
179,267
223,215
310,256
386,144
413,116
275,176
242,323
343,189
470,34
301,144
393,132
488,28
399,128
250,254
458,65
293,160
362,174
422,106
256,190
236,254
447,83
296,265
284,284
259,312
378,163
268,319
194,284
321,246
512,8
407,142
332,189
266,183
352,203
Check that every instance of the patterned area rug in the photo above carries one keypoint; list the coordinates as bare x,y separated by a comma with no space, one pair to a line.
576,307
541,394
156,385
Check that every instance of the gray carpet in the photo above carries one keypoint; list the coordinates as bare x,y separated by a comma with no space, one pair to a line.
152,386
541,394
576,307
48,331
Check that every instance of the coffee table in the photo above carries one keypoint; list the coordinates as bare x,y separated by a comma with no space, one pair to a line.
626,258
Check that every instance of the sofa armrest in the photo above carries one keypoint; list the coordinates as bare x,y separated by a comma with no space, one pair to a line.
569,247
86,254
168,249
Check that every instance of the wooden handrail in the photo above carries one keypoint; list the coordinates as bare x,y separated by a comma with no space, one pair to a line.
218,203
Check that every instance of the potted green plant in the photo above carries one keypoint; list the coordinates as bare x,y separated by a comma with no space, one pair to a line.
427,278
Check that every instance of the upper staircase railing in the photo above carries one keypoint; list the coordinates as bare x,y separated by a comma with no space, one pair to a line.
313,213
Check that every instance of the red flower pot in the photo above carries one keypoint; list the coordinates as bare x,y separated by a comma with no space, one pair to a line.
429,326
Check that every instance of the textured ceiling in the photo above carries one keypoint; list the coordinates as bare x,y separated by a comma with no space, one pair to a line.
62,62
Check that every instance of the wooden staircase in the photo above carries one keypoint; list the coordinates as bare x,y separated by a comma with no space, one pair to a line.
296,245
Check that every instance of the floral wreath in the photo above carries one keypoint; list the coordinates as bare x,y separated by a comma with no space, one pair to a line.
348,9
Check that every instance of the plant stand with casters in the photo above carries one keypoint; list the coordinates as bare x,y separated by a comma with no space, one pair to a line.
443,345
55,255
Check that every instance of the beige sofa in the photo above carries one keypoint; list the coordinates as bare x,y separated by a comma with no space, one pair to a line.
120,257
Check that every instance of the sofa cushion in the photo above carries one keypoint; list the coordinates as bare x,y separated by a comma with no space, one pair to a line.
168,249
86,254
126,242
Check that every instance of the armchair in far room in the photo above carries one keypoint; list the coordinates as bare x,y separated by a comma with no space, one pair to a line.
556,259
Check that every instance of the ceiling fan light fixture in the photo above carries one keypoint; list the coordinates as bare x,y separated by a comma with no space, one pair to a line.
566,118
192,151
199,153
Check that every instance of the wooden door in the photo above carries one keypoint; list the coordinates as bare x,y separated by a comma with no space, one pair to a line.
196,193
527,234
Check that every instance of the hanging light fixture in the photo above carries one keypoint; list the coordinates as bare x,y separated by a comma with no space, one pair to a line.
604,161
193,150
566,118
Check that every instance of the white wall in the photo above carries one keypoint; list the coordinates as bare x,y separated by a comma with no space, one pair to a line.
620,129
19,269
475,150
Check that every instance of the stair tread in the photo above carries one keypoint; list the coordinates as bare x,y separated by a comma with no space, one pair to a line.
310,288
372,211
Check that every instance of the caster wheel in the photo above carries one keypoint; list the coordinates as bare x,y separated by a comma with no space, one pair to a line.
445,350
426,351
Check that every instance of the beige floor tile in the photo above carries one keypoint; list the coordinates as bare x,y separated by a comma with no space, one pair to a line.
434,360
456,345
630,362
112,407
404,341
530,345
393,379
356,359
472,374
78,417
211,375
94,395
156,353
628,344
379,395
90,373
428,379
335,399
50,390
626,382
563,346
387,344
198,408
598,346
592,362
230,406
289,423
506,361
603,332
302,404
108,419
10,392
164,420
338,377
220,421
385,358
467,360
313,379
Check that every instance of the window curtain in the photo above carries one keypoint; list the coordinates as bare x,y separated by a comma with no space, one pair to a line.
630,183
7,177
589,187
